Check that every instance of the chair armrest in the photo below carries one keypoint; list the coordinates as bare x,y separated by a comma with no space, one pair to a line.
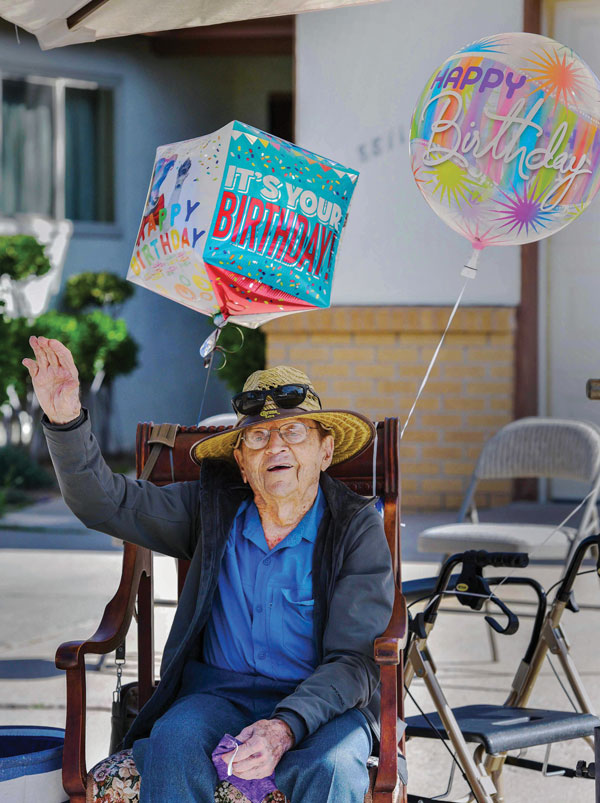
388,655
117,615
71,657
388,647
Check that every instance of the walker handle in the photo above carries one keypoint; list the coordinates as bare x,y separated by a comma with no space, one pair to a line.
508,560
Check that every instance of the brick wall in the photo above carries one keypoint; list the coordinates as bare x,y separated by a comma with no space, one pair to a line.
373,359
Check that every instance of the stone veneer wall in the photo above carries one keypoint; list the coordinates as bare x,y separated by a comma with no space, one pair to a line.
373,359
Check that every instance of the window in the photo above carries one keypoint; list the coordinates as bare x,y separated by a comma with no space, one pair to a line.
57,155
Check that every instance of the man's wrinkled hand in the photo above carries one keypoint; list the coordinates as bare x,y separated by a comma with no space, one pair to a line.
263,745
55,379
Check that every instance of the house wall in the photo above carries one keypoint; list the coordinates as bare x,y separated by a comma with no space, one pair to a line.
359,74
373,359
157,100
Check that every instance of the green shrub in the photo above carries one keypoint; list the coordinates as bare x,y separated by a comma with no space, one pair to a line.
15,497
19,471
96,290
21,255
240,364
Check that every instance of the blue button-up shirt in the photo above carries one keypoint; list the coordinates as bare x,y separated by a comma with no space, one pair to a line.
262,615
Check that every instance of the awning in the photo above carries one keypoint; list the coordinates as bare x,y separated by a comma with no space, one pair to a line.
56,23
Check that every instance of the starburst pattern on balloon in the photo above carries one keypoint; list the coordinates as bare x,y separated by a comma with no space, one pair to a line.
523,211
479,193
489,44
473,232
474,210
563,79
576,210
452,182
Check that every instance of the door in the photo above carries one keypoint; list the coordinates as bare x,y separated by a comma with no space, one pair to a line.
573,268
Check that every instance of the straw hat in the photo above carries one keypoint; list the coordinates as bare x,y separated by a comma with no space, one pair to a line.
352,432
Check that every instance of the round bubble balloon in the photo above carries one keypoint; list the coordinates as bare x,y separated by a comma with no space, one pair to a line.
505,139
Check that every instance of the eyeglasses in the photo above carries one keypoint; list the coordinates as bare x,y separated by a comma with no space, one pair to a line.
292,433
251,402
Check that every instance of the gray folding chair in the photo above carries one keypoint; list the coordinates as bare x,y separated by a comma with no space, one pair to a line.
549,448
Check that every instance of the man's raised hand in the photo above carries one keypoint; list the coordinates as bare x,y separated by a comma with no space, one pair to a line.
55,379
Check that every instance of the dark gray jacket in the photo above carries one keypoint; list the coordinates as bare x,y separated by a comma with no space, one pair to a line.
352,572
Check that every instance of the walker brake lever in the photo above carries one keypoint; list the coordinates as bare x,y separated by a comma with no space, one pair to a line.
572,603
471,586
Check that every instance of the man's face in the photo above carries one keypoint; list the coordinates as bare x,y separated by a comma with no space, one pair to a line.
280,470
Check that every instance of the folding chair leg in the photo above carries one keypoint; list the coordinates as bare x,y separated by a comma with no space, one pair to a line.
597,763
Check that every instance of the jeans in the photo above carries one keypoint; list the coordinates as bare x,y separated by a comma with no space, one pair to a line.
175,760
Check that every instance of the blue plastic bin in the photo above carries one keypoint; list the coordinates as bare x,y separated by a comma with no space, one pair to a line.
31,764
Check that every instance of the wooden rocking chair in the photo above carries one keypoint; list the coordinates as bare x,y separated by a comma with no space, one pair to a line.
166,448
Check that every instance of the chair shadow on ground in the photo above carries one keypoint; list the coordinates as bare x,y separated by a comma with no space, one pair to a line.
27,668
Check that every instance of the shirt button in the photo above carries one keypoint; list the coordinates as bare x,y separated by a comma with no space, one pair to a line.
262,655
266,561
259,609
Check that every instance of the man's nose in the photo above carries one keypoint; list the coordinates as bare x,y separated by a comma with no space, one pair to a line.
276,442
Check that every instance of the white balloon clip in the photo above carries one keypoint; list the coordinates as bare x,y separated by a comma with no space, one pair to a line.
207,348
210,344
470,269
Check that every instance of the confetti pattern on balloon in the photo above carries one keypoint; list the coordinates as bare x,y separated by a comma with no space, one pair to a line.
505,139
242,223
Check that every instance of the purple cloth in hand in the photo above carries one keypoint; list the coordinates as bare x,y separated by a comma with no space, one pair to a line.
255,790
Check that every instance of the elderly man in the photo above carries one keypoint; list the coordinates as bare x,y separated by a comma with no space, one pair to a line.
290,583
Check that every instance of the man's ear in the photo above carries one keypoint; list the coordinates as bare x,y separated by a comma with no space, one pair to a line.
240,462
328,445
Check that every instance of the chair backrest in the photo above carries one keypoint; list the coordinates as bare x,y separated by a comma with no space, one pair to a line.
542,447
375,472
551,448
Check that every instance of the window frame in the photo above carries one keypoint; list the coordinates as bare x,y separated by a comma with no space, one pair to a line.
59,83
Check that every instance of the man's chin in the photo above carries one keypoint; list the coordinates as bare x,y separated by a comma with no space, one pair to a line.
280,485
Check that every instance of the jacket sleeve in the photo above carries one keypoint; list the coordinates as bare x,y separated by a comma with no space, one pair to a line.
161,519
359,612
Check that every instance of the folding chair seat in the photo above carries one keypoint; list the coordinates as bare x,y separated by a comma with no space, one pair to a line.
530,447
532,538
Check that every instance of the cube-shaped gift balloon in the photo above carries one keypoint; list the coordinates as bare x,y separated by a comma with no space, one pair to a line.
242,223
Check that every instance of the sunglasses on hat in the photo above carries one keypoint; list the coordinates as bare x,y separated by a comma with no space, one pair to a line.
251,402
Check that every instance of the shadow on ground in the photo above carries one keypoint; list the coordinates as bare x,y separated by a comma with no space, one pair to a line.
28,668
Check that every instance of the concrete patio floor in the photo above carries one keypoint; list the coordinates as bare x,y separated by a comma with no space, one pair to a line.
56,577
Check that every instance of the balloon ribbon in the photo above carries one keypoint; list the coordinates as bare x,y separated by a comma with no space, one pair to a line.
469,272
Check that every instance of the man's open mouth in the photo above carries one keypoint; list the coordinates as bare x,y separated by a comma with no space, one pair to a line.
283,467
